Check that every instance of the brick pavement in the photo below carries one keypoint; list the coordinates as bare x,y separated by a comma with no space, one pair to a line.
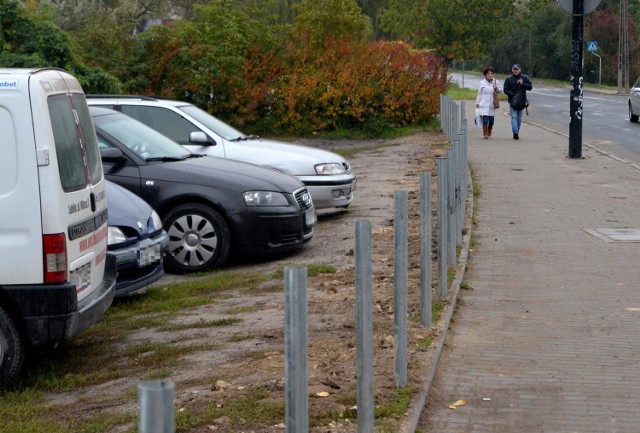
546,339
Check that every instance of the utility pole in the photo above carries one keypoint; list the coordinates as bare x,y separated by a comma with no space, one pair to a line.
623,49
577,8
575,103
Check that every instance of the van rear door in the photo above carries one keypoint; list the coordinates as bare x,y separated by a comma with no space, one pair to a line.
70,172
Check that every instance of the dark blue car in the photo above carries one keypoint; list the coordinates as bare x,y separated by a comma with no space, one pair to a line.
136,239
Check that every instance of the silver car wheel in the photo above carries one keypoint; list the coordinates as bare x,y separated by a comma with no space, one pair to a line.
199,239
193,240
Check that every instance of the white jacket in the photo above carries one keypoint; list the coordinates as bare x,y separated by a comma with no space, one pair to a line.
484,100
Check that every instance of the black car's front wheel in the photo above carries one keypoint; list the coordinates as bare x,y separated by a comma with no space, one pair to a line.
199,239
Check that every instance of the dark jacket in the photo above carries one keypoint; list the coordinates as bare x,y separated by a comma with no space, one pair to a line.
511,87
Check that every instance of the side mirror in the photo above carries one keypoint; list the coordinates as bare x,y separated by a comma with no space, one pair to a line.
199,137
112,155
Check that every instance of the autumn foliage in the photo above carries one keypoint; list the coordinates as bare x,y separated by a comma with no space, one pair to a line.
293,87
345,85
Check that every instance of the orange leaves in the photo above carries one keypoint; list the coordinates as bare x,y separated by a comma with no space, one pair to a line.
350,85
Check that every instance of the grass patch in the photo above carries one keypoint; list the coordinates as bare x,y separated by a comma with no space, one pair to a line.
396,407
239,338
436,310
100,354
451,274
251,410
312,270
424,343
173,327
458,93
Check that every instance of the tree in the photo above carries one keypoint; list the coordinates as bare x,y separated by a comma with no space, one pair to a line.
73,14
371,8
201,60
32,40
336,19
456,29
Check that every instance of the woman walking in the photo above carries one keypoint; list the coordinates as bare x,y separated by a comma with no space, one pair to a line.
487,101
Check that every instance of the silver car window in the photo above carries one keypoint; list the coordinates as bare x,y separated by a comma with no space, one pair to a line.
225,131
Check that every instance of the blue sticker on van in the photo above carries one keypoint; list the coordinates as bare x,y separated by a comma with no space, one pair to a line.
10,84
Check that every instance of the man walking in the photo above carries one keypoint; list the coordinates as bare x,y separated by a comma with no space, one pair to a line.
515,87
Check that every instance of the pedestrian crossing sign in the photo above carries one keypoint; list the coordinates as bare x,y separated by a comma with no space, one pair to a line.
592,46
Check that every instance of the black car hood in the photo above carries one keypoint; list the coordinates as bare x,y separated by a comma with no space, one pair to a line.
126,209
223,173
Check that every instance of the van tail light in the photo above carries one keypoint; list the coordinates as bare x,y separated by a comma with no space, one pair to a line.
55,258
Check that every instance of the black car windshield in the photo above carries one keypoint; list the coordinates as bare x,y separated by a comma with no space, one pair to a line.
138,137
224,130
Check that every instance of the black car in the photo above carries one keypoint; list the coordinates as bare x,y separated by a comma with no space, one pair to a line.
136,240
209,206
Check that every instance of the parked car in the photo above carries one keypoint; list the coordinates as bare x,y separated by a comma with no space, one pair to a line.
56,278
634,102
136,240
327,175
208,205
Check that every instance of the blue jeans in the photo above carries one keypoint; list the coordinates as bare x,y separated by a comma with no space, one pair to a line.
516,119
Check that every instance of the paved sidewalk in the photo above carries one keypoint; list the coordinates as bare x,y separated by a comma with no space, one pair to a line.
547,338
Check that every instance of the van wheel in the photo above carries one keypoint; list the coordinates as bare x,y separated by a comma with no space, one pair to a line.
12,350
632,117
199,239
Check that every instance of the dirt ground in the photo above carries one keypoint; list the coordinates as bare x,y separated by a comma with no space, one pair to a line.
331,305
251,353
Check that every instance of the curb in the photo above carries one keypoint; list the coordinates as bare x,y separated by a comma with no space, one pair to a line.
419,402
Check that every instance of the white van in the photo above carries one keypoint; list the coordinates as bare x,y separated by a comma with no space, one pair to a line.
56,278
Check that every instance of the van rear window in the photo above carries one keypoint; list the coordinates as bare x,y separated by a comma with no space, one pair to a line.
89,135
76,147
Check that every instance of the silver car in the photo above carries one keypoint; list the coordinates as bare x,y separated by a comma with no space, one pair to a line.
634,102
327,175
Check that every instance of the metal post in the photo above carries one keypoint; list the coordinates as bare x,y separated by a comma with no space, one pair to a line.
576,103
364,328
400,279
451,205
426,265
599,68
464,168
295,341
157,413
442,226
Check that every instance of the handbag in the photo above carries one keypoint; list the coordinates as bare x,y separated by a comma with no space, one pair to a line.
496,101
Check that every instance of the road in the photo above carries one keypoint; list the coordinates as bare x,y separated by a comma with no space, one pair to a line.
605,125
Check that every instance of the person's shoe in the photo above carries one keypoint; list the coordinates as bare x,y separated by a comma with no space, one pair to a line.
515,136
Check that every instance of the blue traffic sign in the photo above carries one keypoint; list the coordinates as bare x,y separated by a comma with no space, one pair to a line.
592,46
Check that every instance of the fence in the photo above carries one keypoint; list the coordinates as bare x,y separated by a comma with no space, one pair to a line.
156,397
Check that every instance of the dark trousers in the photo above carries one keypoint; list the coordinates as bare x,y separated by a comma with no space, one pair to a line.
487,120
